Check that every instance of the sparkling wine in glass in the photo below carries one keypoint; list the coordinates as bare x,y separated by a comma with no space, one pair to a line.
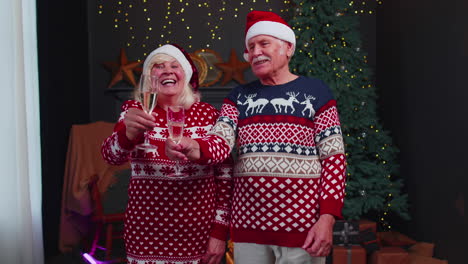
175,124
148,97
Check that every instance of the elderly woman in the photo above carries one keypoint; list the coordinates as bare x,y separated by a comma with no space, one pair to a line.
171,219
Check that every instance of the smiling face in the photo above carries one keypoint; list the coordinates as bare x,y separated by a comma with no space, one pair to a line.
268,56
171,78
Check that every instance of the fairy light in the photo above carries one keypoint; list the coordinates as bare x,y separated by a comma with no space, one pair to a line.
365,7
100,9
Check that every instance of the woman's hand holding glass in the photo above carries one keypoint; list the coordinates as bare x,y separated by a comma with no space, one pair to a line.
148,97
137,122
175,124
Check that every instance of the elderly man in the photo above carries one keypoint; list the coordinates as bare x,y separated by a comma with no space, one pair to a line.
290,171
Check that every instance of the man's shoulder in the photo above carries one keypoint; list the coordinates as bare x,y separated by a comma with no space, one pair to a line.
249,85
243,88
311,81
313,85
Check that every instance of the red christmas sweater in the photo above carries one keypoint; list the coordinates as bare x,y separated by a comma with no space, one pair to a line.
290,167
170,220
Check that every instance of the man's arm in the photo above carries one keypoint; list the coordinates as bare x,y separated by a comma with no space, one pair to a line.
329,142
320,237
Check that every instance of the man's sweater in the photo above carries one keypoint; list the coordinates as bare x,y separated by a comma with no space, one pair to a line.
291,164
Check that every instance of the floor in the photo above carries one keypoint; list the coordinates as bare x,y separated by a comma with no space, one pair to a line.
77,257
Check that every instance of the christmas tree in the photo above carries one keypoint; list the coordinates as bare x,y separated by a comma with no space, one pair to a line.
329,48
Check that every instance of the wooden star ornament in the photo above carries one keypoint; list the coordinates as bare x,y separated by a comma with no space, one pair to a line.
122,70
233,69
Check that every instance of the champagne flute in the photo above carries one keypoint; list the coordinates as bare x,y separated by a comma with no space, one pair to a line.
148,97
175,124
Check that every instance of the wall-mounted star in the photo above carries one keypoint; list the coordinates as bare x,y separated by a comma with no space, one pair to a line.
122,70
233,69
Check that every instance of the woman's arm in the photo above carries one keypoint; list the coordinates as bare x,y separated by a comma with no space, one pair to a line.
133,121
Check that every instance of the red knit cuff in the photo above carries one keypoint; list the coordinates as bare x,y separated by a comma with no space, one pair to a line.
332,207
126,143
204,152
220,232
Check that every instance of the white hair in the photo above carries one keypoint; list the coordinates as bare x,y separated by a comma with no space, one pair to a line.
188,96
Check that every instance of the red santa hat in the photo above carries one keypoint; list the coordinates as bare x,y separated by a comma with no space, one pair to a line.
267,23
174,50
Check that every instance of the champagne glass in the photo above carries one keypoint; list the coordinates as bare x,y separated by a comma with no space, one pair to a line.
175,124
148,97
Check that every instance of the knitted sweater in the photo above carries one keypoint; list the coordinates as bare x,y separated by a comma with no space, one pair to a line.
291,164
169,220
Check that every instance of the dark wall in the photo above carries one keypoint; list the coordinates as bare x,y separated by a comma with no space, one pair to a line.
420,66
64,98
421,63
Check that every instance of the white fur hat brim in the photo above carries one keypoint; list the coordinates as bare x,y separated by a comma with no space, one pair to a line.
271,28
172,51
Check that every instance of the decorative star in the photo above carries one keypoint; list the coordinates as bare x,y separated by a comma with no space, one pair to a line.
233,69
122,70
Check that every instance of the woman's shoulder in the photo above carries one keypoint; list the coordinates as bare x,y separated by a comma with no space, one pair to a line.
130,104
203,113
204,107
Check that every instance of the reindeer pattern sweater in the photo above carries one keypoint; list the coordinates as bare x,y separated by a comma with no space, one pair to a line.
291,164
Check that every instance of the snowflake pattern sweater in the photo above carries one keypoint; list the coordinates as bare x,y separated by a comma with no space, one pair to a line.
291,163
170,220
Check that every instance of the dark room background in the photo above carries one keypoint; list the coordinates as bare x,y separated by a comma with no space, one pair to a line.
418,50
